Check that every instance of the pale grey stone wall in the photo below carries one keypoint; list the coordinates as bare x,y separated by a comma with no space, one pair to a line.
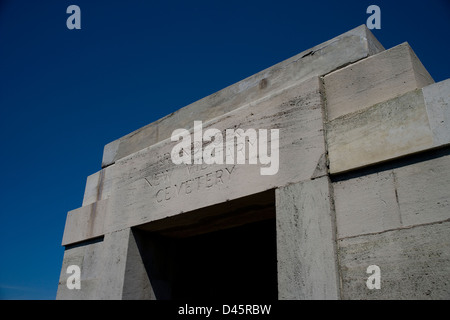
397,219
414,263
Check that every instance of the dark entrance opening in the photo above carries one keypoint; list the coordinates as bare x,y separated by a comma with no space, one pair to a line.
226,251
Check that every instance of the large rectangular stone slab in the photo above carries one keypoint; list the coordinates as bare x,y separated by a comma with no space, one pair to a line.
114,257
391,129
137,285
403,196
105,264
423,191
148,186
86,222
414,263
437,101
87,256
306,253
384,131
98,186
378,78
349,47
366,204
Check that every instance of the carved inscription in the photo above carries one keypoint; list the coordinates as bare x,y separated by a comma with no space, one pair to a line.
200,178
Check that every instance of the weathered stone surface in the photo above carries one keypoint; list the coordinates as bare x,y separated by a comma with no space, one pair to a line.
406,196
137,284
86,222
437,101
366,204
307,265
423,191
98,186
149,186
384,131
319,60
394,128
414,263
111,151
378,78
105,264
88,257
114,258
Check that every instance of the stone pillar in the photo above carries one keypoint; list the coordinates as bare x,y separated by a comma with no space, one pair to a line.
137,284
307,266
111,268
114,256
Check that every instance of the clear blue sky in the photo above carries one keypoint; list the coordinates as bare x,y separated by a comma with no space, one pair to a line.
64,94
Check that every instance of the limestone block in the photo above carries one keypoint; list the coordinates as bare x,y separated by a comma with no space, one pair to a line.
111,151
394,128
148,186
114,258
378,78
104,264
98,186
319,60
437,101
384,131
307,267
86,222
88,257
137,284
404,196
414,263
423,191
366,204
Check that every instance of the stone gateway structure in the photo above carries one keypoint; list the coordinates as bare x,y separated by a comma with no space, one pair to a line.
358,209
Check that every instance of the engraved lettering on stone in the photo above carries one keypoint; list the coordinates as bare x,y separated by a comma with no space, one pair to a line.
200,180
